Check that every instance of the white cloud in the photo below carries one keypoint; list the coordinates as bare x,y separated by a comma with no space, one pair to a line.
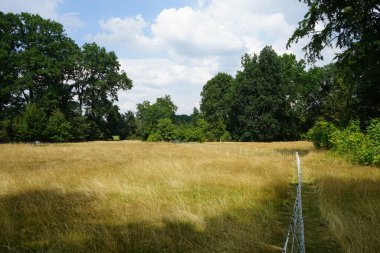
156,77
123,32
71,21
46,9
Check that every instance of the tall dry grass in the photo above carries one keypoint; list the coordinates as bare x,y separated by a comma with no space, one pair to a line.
163,197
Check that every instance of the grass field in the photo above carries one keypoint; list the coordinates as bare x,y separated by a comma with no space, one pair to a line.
163,197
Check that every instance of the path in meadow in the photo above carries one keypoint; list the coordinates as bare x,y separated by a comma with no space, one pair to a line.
318,237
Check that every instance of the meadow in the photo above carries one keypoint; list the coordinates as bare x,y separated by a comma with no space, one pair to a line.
164,197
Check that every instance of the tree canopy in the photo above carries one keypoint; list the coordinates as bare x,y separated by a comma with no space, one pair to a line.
46,79
354,28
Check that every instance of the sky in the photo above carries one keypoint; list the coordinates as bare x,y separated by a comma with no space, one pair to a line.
173,47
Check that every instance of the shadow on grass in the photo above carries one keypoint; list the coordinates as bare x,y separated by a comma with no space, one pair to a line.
292,152
54,221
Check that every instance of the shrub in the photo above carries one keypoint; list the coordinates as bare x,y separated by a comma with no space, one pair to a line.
154,137
166,129
320,134
58,128
226,136
373,139
350,142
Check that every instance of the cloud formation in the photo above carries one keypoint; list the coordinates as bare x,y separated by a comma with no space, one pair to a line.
184,47
46,9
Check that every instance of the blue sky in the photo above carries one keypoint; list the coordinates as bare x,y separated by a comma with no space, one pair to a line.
174,46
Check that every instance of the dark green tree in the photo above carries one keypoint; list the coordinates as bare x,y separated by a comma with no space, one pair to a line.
129,127
354,28
215,103
148,114
166,129
97,81
37,62
58,129
32,124
261,110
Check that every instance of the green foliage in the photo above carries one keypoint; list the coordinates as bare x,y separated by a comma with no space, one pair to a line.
129,125
154,137
373,138
215,103
43,70
166,129
226,136
261,110
148,115
32,124
350,142
351,26
321,133
58,128
116,137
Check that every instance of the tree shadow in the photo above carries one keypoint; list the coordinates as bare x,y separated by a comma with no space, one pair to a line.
57,221
54,221
291,151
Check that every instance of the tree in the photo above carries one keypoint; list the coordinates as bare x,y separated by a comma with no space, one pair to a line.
166,129
129,127
58,128
215,102
261,110
149,115
42,67
32,124
354,27
36,64
97,81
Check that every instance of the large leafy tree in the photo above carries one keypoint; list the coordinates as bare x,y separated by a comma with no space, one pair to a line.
354,27
42,67
215,103
261,110
98,79
37,63
149,114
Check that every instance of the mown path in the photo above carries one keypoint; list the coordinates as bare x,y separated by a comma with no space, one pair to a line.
318,237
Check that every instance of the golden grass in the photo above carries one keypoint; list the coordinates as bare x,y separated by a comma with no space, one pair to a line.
163,197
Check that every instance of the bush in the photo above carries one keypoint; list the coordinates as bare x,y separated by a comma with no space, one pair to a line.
349,142
58,128
154,137
320,134
226,136
373,139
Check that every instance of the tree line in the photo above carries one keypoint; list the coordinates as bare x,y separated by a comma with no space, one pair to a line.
54,90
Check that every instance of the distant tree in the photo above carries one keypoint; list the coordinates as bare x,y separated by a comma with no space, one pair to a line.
97,80
58,128
182,119
215,102
148,114
129,127
352,26
261,110
32,124
166,129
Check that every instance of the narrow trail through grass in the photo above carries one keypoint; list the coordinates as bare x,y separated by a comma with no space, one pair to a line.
318,237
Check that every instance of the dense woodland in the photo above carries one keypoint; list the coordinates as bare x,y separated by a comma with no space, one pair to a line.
53,90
